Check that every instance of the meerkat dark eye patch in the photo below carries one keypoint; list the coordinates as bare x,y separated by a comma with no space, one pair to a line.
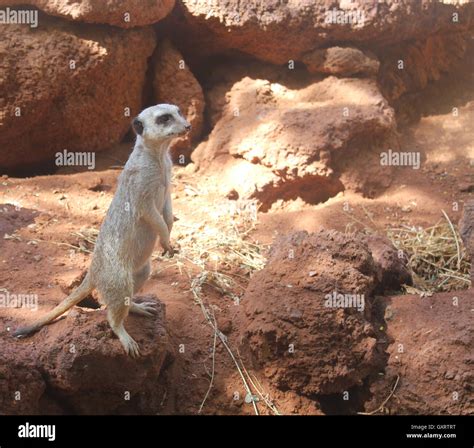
163,119
137,126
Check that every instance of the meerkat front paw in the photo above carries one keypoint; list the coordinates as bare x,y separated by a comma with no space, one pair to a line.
169,250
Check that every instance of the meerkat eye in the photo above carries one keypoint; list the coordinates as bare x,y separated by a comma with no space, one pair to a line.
162,119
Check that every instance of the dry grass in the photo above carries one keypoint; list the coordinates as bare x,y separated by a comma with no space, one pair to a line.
219,251
87,238
437,258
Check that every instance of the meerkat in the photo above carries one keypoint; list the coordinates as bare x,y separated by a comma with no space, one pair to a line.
139,213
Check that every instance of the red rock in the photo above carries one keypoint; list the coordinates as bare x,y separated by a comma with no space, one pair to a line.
341,61
334,348
122,13
277,32
392,269
297,140
423,61
174,83
78,109
77,366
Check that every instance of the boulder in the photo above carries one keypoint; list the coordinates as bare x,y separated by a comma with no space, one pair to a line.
174,83
409,67
279,32
341,61
68,86
78,366
308,320
310,140
121,13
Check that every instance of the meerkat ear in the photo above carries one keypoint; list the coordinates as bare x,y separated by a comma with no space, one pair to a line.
137,126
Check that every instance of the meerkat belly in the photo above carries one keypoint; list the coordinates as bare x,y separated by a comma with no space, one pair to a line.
160,201
144,243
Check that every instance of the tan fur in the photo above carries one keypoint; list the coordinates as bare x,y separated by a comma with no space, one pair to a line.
140,212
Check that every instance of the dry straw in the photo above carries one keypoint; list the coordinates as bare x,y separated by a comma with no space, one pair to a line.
437,258
218,252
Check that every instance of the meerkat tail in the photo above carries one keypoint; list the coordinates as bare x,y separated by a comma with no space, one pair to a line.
75,297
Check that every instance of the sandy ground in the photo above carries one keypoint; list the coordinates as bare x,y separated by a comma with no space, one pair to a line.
38,218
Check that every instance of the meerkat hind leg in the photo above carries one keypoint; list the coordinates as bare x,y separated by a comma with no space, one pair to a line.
139,278
116,315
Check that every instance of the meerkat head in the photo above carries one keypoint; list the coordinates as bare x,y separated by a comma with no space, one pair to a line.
159,124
